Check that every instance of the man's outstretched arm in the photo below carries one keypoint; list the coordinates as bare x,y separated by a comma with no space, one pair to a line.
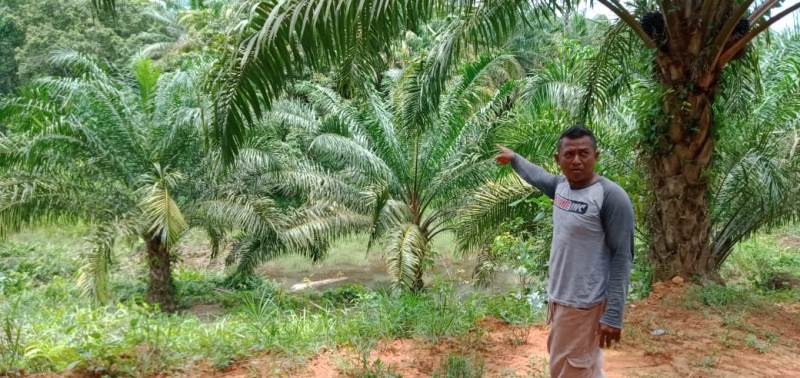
531,173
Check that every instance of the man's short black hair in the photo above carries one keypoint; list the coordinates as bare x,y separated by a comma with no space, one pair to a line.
577,132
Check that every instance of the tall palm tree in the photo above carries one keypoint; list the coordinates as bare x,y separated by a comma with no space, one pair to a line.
124,153
692,43
399,172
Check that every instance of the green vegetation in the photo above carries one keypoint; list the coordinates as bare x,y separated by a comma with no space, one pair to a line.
132,338
170,169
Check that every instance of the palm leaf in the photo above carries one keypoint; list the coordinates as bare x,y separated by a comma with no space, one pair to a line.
406,247
281,38
487,209
162,214
93,277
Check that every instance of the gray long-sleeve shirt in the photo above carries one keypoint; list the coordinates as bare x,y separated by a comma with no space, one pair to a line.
592,250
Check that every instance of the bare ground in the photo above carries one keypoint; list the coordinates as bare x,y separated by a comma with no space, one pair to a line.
762,341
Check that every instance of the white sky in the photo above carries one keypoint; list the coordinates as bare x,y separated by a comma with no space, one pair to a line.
784,23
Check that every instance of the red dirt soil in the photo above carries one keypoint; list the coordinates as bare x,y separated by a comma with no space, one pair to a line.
698,342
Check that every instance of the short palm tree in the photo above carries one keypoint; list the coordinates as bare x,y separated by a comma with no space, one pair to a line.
398,171
755,176
124,153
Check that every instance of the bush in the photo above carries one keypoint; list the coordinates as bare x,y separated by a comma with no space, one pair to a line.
346,295
764,264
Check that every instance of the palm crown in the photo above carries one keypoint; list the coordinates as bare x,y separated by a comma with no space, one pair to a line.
402,171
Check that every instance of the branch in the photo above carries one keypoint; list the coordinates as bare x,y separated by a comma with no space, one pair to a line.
626,17
729,25
763,8
727,29
740,44
705,13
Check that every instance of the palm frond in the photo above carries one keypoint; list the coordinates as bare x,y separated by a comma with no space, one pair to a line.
280,38
162,215
486,209
406,247
757,167
105,6
609,71
93,277
484,24
32,199
78,62
331,149
321,223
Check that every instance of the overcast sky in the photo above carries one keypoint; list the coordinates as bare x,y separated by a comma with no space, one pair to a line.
784,23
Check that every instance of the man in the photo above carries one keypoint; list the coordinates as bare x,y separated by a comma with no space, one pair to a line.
591,254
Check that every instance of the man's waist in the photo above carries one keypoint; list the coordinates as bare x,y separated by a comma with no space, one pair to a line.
581,305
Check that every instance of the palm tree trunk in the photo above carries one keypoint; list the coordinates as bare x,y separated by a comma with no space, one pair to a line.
680,226
160,289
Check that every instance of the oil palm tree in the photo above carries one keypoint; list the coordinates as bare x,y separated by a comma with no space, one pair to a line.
124,153
263,216
692,44
396,171
755,175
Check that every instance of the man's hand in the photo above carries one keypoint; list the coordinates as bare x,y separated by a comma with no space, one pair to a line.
505,156
608,335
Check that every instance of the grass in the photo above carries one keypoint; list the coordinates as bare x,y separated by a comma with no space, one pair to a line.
459,366
352,252
764,259
130,338
46,324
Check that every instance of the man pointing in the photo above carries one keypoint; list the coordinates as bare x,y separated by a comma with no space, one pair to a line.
591,254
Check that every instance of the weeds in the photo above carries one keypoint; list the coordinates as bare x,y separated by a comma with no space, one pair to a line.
377,370
131,338
12,347
762,346
458,366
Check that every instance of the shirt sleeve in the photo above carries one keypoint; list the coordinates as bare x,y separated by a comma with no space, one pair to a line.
535,175
618,224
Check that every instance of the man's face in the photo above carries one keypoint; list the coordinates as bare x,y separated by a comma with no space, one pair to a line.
577,157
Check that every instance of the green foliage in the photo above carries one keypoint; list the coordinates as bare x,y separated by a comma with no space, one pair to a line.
11,36
97,147
458,366
757,168
280,39
524,246
40,264
111,40
11,343
516,309
719,296
764,263
389,167
345,296
641,274
133,339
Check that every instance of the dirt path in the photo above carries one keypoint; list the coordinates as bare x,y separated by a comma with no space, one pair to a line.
696,342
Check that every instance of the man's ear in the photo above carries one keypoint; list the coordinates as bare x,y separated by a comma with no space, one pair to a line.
596,154
555,157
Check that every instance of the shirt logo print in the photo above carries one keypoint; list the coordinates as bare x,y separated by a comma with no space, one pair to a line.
570,205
